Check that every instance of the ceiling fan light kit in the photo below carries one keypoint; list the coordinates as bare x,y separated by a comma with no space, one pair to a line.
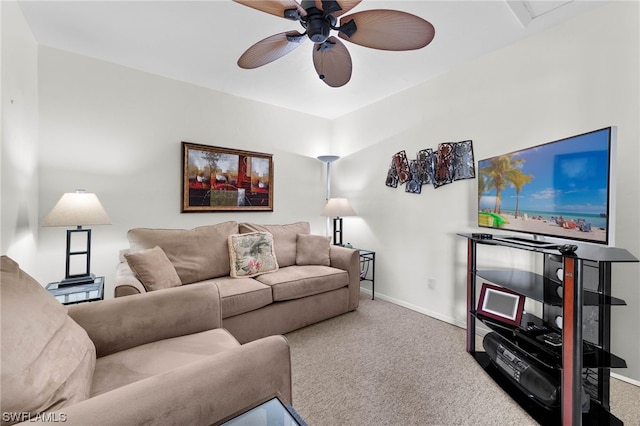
377,29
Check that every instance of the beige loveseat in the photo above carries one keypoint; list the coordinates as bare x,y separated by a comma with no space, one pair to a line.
310,281
130,361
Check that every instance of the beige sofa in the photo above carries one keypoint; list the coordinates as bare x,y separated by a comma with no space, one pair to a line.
130,361
305,281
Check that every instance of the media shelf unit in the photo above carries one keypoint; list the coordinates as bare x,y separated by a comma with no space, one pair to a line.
584,284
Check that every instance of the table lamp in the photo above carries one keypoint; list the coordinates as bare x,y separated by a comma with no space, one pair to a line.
336,208
77,208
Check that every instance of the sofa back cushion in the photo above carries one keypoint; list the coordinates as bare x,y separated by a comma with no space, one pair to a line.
313,250
153,269
284,238
197,254
48,360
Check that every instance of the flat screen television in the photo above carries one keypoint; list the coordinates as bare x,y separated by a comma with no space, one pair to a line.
562,189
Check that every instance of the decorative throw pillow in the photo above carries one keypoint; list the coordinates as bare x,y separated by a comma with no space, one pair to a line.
153,268
252,254
313,250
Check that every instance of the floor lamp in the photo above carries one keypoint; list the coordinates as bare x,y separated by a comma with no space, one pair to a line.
77,209
337,208
328,159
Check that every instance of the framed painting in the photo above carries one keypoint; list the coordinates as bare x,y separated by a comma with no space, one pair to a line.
218,179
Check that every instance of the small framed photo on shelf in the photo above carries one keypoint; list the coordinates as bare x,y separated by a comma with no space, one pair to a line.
501,304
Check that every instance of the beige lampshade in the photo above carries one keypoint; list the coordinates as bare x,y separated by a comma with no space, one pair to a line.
338,207
77,209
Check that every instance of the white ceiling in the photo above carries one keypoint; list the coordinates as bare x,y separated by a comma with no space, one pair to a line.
200,41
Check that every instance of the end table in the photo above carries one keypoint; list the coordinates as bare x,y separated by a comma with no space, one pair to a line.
272,412
368,263
79,293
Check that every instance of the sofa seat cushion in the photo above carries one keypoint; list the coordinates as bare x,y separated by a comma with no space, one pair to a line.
197,254
129,366
47,358
240,295
294,282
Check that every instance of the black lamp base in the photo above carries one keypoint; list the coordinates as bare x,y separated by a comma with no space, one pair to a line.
337,231
77,280
83,277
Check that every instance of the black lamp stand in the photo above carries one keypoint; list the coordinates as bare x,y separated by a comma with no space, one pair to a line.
337,231
82,278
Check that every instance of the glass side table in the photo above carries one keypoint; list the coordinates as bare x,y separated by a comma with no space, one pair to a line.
271,413
368,269
79,293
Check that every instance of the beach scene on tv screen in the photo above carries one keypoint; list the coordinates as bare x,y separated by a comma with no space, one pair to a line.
557,189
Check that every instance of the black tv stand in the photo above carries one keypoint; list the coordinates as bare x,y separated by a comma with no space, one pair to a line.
584,284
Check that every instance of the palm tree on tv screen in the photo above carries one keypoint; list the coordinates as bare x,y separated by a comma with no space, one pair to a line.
483,185
499,171
518,180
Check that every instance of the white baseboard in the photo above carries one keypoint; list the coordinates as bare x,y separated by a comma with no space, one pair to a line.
625,379
419,309
452,321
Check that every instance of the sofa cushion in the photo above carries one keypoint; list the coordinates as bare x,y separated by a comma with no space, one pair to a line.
138,363
197,254
284,238
294,282
251,254
153,268
240,295
47,358
313,250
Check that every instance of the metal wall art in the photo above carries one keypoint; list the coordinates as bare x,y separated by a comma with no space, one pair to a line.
450,162
414,184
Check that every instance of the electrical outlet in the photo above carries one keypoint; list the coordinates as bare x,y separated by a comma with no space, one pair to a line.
431,283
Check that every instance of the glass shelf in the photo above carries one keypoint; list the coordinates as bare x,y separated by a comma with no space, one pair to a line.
551,358
540,288
585,251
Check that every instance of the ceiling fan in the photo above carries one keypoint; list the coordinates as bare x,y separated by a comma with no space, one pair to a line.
378,29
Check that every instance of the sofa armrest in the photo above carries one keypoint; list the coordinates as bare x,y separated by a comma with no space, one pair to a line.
126,282
348,260
125,322
204,392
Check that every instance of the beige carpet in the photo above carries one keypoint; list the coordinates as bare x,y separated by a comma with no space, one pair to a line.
387,365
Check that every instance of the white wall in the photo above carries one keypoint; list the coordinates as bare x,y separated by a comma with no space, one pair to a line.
577,77
19,213
117,132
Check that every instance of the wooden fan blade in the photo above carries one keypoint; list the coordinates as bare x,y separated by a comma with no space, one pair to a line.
346,6
388,30
275,7
270,49
332,62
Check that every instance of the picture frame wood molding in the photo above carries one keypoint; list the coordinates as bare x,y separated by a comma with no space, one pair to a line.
217,179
